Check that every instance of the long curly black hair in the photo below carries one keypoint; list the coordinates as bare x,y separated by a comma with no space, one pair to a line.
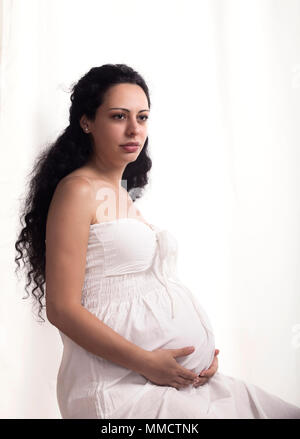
70,151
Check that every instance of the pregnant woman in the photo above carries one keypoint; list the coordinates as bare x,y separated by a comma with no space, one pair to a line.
135,338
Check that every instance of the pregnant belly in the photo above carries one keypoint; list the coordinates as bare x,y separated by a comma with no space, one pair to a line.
148,324
185,331
157,330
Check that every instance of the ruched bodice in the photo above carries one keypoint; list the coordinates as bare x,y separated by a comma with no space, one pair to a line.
126,245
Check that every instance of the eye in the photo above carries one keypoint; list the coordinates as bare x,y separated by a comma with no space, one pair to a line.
117,116
145,117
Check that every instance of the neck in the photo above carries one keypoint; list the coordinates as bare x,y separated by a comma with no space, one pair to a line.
111,176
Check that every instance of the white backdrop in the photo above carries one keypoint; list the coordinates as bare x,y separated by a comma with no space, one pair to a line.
224,79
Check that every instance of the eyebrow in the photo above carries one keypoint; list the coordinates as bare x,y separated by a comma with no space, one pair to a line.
125,109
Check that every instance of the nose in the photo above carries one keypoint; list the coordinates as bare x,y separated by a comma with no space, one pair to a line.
132,126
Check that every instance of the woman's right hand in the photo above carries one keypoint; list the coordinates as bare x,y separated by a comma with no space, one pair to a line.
163,369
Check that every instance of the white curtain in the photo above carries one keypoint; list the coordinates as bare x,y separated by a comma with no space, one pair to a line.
224,79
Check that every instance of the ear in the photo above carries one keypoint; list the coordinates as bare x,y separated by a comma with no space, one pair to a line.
84,124
83,121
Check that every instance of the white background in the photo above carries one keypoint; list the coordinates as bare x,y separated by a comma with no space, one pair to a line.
224,80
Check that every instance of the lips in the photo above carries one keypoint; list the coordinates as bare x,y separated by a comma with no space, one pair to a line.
130,148
130,144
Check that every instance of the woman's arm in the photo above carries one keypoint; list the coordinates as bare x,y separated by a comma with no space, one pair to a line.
67,234
92,334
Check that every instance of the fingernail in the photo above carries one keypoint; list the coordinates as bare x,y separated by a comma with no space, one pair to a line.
202,374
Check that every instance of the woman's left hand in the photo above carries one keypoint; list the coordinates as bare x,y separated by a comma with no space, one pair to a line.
204,376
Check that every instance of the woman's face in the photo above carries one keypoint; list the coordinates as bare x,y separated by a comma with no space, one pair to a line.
121,118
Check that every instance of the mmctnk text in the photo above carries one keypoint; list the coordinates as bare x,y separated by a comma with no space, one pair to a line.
150,428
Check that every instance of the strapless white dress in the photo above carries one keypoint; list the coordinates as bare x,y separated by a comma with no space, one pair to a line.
131,285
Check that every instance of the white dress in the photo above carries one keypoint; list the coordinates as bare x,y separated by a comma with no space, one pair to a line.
131,285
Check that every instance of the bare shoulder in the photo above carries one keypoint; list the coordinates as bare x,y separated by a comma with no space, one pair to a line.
77,187
72,202
95,182
76,180
98,195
